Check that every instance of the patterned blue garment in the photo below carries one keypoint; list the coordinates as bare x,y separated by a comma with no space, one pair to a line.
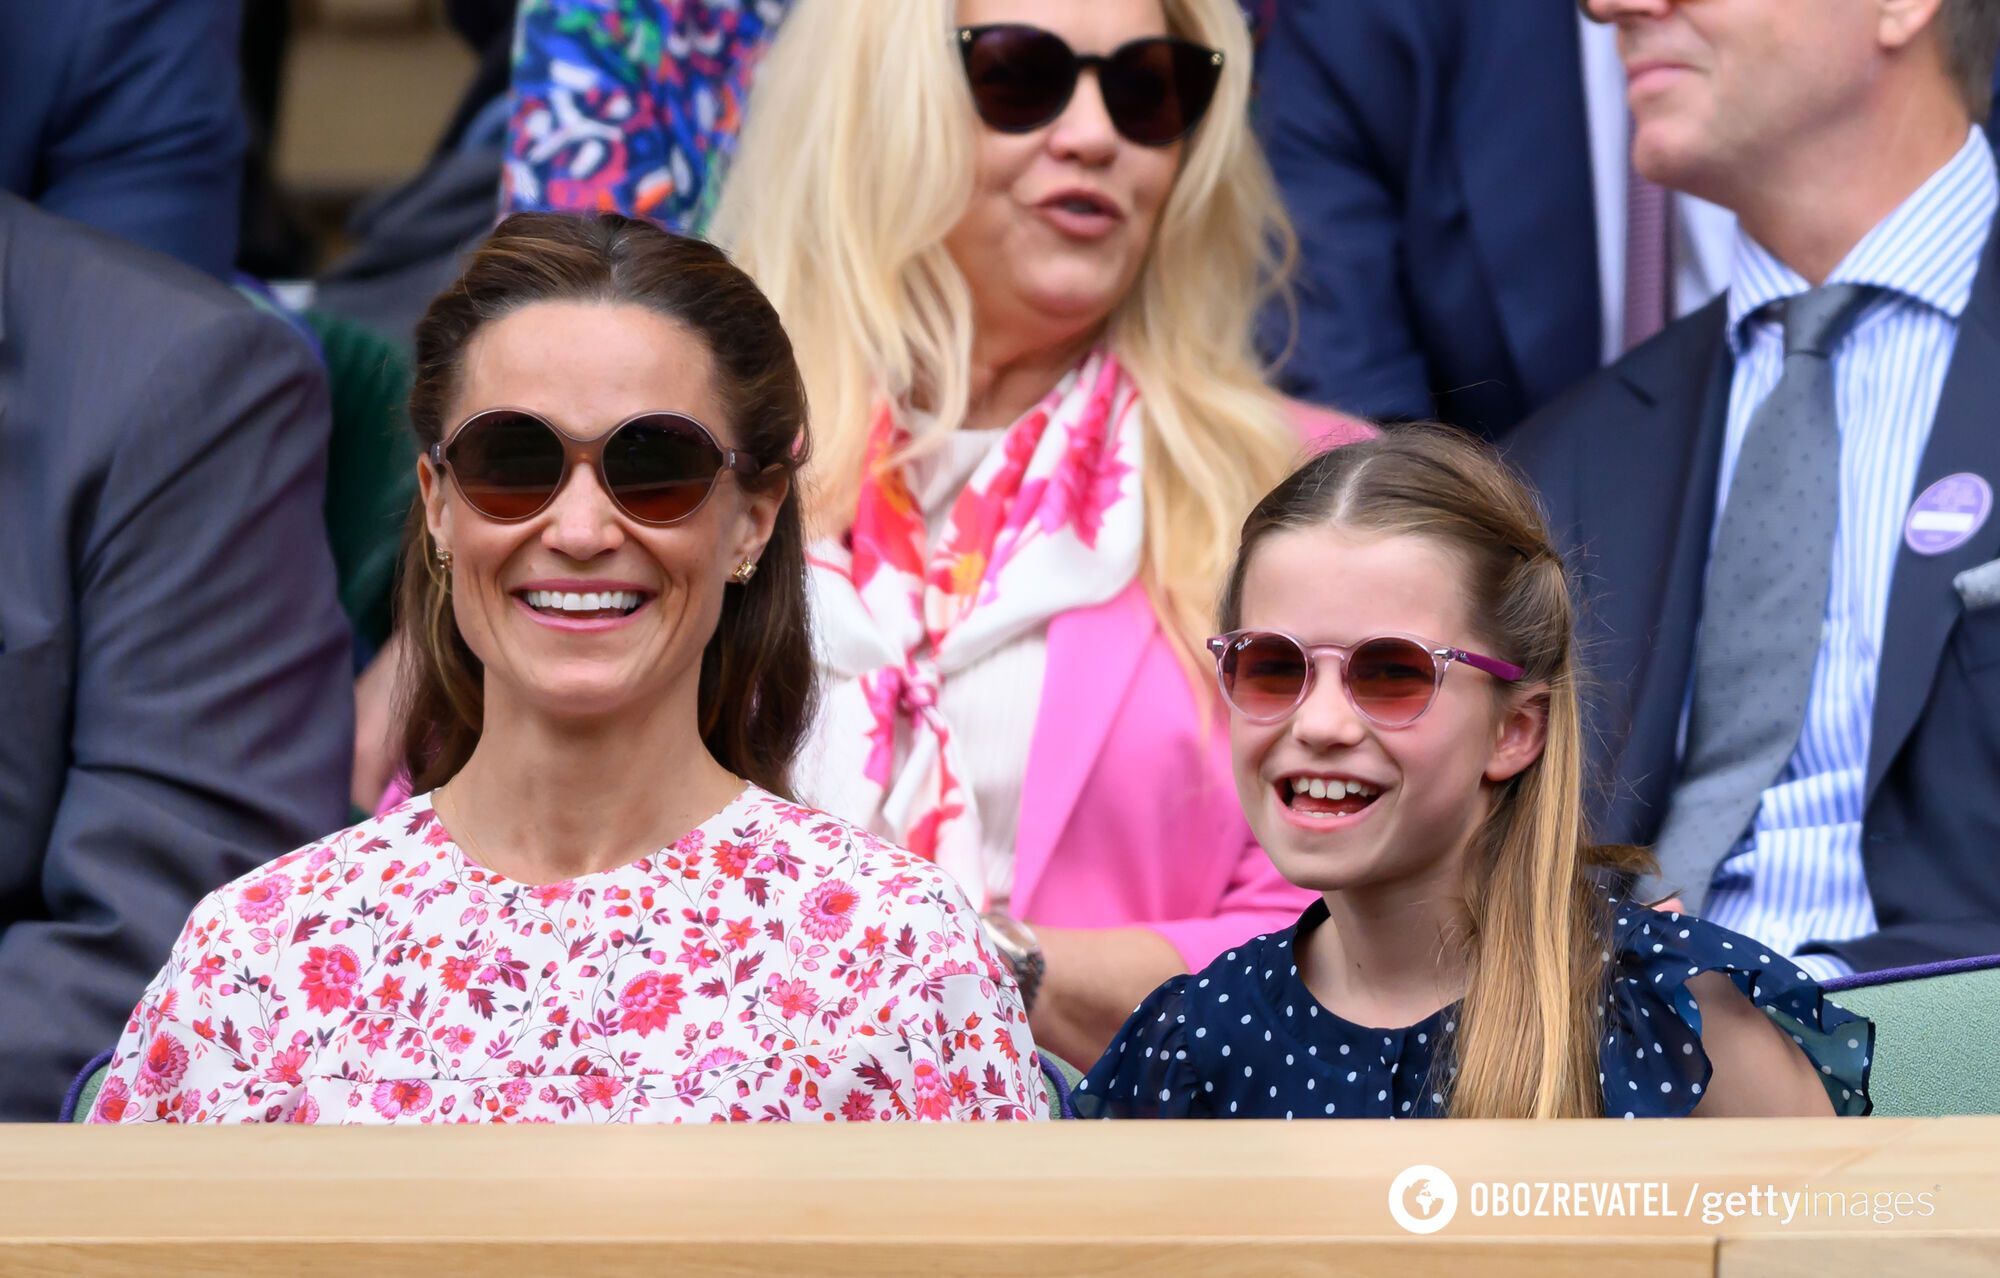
1797,877
634,106
1245,1038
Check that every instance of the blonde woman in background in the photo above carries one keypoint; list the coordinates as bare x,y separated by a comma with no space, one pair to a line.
1019,245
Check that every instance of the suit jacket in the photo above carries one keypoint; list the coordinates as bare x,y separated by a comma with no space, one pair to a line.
1436,162
1129,815
125,115
1435,157
176,697
1627,464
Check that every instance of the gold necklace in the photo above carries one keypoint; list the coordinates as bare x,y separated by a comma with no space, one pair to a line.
465,832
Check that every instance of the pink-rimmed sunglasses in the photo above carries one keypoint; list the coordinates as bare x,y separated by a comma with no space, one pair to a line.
1390,680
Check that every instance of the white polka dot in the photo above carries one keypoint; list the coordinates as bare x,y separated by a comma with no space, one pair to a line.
1763,958
1329,1107
1406,1107
1352,1075
1180,1056
1343,1049
1695,1088
1311,1083
1165,1094
1232,1107
1231,956
1222,998
1225,1049
1208,1087
1288,1058
1201,1031
1274,1093
1666,1087
1854,1042
1245,1020
1687,1049
1246,1071
1288,1115
1204,983
1423,1038
1382,1095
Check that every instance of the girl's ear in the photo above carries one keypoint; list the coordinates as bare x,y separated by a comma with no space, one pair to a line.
1521,733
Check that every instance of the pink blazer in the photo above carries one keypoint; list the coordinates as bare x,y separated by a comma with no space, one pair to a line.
1129,814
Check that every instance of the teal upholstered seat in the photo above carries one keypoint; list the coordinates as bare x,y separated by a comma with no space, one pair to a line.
1937,1030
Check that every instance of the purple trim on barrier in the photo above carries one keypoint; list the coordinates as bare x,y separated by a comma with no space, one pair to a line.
75,1093
1918,972
1065,1103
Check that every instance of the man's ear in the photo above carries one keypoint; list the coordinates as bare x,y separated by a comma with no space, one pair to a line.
1898,23
1520,735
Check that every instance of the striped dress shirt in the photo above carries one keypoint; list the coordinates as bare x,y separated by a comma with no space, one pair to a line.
1797,878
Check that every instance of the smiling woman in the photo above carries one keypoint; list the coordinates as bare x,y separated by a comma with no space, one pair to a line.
602,903
1020,244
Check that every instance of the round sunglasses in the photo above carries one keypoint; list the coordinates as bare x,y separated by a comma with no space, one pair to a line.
659,467
1390,680
1156,89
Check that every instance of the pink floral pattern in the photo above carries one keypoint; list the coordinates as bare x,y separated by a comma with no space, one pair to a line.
774,964
1051,521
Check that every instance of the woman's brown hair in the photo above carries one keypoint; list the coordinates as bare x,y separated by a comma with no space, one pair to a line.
756,689
1534,930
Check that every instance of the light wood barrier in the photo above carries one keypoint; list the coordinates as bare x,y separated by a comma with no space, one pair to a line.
1156,1200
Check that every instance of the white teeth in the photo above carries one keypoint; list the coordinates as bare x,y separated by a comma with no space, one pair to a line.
1322,788
587,601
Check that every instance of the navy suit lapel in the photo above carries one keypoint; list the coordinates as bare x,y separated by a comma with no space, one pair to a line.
1524,152
1923,604
1650,496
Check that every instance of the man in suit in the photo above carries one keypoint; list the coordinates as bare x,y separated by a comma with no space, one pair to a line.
175,682
1473,239
125,115
1781,507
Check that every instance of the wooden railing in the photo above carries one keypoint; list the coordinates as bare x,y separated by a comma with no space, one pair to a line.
1163,1200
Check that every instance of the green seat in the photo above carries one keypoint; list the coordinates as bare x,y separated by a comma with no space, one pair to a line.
1936,1030
371,467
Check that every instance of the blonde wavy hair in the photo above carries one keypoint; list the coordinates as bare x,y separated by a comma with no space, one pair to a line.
855,163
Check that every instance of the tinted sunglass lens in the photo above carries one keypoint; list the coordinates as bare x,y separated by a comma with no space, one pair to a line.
1021,78
1392,680
660,469
507,465
1156,91
1264,675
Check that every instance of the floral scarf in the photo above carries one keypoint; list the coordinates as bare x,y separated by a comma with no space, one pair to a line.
1050,521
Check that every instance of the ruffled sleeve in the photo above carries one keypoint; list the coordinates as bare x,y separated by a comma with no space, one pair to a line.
1145,1073
1651,1056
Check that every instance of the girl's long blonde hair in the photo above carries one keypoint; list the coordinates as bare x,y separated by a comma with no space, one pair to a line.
855,163
1534,931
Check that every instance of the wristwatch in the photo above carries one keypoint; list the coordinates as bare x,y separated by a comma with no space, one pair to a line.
1018,945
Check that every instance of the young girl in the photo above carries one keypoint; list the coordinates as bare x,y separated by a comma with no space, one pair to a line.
1402,687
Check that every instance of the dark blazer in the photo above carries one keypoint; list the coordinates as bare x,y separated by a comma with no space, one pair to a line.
1627,464
1436,162
1435,158
176,696
126,115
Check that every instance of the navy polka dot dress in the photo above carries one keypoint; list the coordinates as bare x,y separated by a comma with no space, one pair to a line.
1244,1038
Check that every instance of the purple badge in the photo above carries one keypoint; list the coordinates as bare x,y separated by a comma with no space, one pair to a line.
1948,513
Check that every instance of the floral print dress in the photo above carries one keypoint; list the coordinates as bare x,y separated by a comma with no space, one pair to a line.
774,964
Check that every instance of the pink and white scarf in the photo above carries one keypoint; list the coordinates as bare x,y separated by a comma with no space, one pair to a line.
1050,521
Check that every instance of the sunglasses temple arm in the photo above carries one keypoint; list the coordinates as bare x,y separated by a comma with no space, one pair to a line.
1503,670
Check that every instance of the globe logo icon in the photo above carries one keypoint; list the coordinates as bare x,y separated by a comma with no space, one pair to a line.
1423,1199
